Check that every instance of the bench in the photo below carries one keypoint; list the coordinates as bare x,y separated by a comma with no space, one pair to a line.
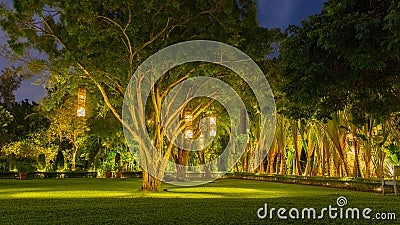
391,181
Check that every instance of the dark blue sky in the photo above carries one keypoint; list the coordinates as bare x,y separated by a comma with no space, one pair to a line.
271,14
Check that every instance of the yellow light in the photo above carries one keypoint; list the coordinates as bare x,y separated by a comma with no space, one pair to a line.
81,112
188,134
213,120
213,133
188,118
213,126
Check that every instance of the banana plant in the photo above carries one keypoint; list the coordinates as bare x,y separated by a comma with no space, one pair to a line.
337,135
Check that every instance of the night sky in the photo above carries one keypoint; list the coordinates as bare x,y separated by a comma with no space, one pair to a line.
271,14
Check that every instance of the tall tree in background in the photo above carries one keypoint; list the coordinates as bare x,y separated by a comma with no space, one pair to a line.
66,126
345,57
10,80
102,43
5,120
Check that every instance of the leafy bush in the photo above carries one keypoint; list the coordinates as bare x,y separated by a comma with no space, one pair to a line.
59,162
41,162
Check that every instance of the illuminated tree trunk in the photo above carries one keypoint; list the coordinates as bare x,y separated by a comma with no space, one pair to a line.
74,143
73,163
338,138
271,158
282,169
150,183
245,160
356,166
181,161
202,159
234,155
278,163
367,169
310,152
271,161
297,153
328,162
321,160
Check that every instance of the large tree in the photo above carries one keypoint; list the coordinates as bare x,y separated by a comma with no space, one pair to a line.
5,119
103,42
10,80
345,57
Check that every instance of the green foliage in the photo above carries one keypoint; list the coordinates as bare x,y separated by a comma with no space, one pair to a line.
5,119
25,127
11,162
345,57
24,148
59,163
25,165
10,80
100,45
41,162
394,154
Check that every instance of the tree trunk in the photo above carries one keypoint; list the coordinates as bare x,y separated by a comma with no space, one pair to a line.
245,160
297,153
73,163
278,163
202,159
356,167
271,161
367,169
181,161
328,163
261,168
282,169
150,183
321,167
308,167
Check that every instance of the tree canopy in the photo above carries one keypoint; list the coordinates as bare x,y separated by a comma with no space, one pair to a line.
10,80
345,57
101,43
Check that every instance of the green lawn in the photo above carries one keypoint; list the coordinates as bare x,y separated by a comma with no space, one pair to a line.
227,201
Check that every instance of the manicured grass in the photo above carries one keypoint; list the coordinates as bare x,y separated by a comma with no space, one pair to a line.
227,201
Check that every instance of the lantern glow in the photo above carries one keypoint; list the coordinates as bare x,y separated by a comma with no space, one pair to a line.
81,111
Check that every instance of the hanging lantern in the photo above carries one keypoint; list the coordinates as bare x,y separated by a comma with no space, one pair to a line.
213,126
81,110
189,134
188,118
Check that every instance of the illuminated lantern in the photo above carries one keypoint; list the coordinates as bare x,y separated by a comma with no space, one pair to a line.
213,126
81,107
188,117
